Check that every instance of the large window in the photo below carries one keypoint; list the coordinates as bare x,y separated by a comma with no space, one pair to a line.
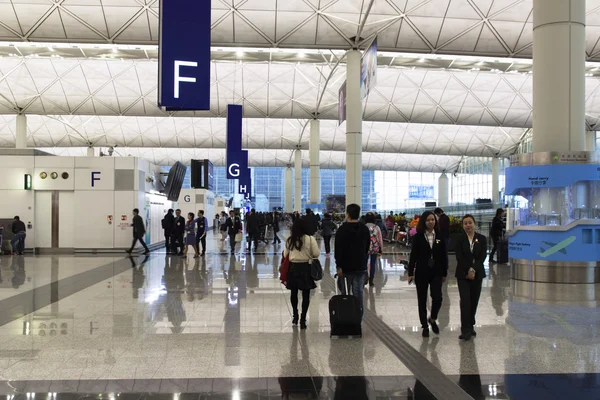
399,190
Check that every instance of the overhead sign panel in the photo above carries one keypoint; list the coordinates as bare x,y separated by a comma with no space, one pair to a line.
184,55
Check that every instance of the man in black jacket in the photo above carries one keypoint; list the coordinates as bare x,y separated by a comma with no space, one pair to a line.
312,223
178,230
252,229
168,223
443,223
19,234
139,230
352,243
201,233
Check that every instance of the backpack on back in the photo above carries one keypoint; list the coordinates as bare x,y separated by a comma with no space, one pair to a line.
374,248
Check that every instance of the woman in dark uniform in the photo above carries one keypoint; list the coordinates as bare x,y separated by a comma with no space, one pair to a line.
428,266
471,252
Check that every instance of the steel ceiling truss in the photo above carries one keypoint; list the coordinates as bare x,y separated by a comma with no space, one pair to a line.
500,28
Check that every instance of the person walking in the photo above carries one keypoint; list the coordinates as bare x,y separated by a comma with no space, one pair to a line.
443,224
375,246
178,231
168,222
276,228
234,226
223,225
252,229
428,268
327,229
471,252
19,234
190,235
139,230
497,232
352,244
201,233
301,249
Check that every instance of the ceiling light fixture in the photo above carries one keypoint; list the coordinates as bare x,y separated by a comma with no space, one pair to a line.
240,53
421,60
301,55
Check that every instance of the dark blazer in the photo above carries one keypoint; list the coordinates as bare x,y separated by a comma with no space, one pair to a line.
178,226
497,227
421,253
444,225
139,229
465,259
234,225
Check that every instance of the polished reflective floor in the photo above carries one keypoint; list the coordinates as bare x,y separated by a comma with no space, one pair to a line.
220,327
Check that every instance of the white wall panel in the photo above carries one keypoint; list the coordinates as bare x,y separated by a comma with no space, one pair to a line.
104,179
66,216
92,229
13,178
125,163
43,219
54,162
17,162
125,202
95,162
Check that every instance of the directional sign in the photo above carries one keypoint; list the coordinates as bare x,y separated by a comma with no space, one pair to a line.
184,54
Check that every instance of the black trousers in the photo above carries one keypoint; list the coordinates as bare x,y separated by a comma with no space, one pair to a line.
253,237
232,242
177,243
305,301
425,284
327,240
495,241
168,242
202,240
276,238
141,240
469,292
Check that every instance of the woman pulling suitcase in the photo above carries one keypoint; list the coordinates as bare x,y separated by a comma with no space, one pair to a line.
428,267
301,250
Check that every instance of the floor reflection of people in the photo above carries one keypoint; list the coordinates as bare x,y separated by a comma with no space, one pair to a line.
291,385
325,289
137,276
175,285
18,267
444,315
500,281
196,281
470,380
252,275
340,356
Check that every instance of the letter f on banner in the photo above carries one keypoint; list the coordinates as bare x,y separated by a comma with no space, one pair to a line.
179,78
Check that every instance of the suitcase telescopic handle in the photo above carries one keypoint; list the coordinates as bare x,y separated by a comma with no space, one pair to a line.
345,284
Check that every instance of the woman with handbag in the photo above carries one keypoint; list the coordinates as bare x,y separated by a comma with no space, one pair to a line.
301,250
428,266
471,252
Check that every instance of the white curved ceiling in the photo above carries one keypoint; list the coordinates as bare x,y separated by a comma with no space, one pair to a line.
259,133
481,27
85,71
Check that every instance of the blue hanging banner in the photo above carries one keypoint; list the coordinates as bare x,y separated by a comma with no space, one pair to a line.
237,159
184,55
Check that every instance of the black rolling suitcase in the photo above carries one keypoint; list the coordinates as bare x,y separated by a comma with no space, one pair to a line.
344,314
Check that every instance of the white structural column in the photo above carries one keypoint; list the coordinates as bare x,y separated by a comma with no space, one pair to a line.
315,163
495,180
443,190
21,132
353,129
91,152
289,190
558,75
590,141
298,180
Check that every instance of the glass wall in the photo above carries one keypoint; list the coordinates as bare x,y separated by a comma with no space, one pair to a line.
474,180
399,190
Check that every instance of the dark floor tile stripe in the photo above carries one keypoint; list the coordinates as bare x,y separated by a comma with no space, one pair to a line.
431,377
24,303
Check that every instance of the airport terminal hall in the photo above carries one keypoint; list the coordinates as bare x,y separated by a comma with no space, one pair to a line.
299,199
